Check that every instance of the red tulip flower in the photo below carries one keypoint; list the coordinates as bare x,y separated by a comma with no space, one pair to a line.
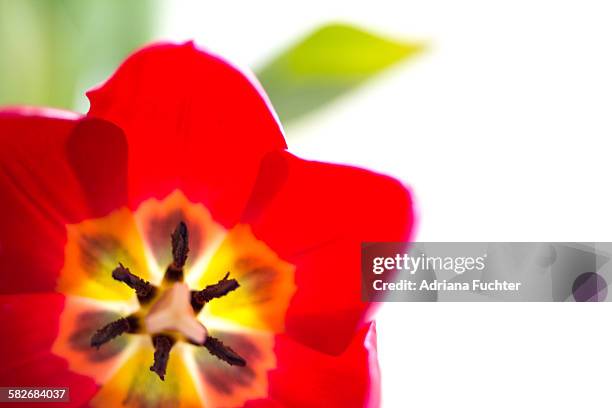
166,250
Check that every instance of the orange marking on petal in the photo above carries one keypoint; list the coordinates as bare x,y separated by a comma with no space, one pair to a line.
266,282
231,386
157,219
94,248
78,322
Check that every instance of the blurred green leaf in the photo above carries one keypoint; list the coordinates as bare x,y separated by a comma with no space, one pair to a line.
51,51
326,64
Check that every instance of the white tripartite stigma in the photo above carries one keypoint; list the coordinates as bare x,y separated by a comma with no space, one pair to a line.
173,312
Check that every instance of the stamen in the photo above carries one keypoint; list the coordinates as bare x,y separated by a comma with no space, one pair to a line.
223,352
144,290
162,344
180,249
219,289
114,329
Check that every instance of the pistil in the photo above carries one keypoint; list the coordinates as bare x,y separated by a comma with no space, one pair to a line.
172,312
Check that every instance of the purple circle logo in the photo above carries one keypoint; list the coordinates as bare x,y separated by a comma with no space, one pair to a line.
590,287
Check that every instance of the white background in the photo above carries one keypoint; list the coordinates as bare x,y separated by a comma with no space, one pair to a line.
502,130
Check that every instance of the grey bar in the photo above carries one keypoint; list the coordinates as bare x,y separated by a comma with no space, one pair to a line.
486,271
34,394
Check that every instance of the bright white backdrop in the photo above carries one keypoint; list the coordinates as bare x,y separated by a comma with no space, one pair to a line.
502,130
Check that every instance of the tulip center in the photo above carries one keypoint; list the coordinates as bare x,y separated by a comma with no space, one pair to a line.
173,313
169,313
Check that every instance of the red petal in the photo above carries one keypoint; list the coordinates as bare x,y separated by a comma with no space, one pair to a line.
30,324
53,171
315,216
306,378
263,403
97,152
193,122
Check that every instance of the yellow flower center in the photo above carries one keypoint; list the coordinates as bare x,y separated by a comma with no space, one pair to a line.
97,293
